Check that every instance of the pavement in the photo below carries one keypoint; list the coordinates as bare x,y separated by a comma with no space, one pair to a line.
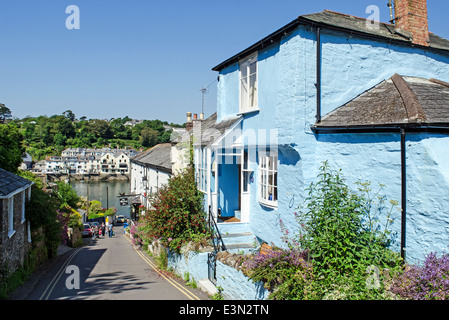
28,286
109,270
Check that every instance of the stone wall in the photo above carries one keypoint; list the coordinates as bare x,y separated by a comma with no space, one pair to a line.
13,249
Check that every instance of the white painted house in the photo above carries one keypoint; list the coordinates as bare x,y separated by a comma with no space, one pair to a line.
150,170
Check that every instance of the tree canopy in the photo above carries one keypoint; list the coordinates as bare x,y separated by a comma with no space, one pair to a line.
45,136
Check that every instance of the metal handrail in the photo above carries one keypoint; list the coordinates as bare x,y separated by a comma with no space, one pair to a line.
215,233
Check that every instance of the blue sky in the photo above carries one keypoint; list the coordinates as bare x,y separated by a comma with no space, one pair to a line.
144,59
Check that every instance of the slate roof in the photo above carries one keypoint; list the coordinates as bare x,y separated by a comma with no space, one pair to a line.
158,157
340,22
211,130
396,102
11,183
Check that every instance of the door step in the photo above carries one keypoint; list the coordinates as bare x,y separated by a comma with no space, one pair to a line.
207,286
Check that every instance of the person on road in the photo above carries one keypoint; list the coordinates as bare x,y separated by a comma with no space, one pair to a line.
103,229
110,229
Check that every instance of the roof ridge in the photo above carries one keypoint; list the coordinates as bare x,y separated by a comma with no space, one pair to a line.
357,17
436,81
413,107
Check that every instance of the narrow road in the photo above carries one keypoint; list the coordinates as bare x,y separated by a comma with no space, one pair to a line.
109,269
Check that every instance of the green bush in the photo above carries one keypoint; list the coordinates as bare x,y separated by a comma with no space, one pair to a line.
341,250
347,242
177,215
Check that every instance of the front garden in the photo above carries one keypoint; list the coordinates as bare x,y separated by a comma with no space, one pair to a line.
340,250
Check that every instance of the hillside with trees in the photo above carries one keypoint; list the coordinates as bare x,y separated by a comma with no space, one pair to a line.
49,135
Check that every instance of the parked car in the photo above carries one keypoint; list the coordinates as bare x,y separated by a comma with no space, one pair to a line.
87,231
120,219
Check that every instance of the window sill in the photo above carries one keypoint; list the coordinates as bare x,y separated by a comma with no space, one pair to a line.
11,233
268,204
249,111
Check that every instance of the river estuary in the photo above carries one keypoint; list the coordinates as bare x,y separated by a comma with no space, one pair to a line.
106,192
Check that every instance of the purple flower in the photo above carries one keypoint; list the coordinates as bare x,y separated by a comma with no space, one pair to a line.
427,282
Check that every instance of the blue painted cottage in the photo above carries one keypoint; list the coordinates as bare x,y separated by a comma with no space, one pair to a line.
370,98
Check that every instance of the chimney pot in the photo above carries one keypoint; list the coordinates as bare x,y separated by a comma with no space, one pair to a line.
189,116
195,116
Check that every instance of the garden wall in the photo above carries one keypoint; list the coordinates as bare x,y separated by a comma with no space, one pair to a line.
234,285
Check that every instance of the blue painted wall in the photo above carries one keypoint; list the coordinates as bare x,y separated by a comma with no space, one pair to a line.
287,102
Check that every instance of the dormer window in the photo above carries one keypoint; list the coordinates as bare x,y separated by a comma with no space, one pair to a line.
248,84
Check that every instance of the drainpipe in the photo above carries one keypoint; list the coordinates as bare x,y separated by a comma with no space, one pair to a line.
318,74
403,195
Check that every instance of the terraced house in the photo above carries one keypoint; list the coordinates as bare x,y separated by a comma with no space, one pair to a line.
370,98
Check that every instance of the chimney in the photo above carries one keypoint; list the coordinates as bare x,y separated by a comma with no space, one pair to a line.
189,124
411,16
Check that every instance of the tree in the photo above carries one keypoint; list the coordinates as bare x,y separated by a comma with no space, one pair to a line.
60,139
100,128
70,115
11,148
66,128
5,113
67,196
148,137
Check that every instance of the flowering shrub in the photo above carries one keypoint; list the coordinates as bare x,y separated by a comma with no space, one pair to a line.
287,272
340,250
177,213
135,234
427,282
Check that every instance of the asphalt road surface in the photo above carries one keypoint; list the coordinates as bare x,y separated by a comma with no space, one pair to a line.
109,269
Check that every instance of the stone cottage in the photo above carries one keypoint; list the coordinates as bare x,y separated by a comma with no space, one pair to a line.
15,234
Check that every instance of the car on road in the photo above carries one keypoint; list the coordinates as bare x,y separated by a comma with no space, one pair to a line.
87,231
120,219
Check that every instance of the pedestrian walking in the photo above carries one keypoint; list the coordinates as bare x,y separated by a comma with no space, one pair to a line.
103,229
110,229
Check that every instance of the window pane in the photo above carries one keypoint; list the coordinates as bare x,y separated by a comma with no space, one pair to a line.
245,160
244,69
245,181
262,162
253,66
270,163
253,91
244,94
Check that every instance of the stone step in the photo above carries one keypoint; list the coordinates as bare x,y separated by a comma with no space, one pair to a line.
233,235
207,286
239,246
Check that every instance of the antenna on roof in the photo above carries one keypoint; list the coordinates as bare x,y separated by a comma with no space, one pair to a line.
391,11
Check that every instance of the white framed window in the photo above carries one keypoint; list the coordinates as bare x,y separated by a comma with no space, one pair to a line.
246,172
23,205
11,230
248,84
201,169
268,189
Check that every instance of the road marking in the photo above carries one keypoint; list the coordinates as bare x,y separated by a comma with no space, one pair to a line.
183,290
58,275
